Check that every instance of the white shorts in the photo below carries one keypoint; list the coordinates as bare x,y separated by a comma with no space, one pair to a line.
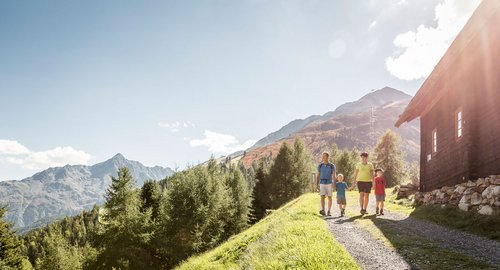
325,190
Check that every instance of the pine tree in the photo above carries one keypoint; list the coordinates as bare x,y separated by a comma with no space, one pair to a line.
346,164
10,246
240,201
59,254
280,177
126,231
121,195
150,198
335,153
301,168
195,212
389,157
260,193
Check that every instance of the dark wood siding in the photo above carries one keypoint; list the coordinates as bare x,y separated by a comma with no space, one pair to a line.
473,82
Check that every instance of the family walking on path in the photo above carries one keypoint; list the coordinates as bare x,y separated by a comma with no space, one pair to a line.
369,249
366,178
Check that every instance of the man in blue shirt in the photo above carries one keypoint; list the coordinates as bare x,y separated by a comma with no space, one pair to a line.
325,179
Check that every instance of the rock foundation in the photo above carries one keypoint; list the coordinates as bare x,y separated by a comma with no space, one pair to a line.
481,195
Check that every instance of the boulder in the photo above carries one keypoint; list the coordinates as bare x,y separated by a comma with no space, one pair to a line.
485,210
469,191
480,181
465,199
448,190
496,191
481,188
497,204
427,198
487,192
470,184
464,206
496,182
476,199
460,189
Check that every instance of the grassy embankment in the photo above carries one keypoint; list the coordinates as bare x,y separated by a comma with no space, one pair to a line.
292,237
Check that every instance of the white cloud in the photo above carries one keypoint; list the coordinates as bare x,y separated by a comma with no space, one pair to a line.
221,143
176,126
373,24
420,50
18,154
9,147
337,48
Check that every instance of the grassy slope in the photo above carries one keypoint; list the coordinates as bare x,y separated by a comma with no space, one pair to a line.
292,237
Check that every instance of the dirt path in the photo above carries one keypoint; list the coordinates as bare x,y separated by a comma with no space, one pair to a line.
367,251
372,253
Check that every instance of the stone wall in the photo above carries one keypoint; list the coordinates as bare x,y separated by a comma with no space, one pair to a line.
481,195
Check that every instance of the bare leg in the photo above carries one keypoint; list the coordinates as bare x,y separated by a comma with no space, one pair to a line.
361,199
329,203
382,205
367,196
323,202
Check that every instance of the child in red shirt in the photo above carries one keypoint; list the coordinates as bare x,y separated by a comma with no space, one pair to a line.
379,190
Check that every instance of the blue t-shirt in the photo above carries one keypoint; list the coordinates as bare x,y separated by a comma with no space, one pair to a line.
341,187
325,172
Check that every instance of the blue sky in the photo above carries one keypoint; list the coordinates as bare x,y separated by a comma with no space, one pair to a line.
171,82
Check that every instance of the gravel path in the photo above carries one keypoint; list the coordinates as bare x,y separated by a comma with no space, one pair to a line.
365,249
474,246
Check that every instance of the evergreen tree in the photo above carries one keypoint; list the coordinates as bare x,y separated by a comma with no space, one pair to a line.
10,246
59,254
240,201
150,198
335,153
121,195
126,231
301,169
260,193
195,212
280,177
389,157
346,164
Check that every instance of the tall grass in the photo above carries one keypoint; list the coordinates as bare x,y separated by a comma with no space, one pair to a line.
292,237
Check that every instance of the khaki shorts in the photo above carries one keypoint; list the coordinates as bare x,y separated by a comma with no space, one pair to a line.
325,190
341,200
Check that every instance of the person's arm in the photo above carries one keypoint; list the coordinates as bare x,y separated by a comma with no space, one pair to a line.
356,174
334,179
317,181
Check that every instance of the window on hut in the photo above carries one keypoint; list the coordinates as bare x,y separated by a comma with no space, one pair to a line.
434,141
458,122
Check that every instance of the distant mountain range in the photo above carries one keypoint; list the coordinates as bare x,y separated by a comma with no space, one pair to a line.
349,125
61,191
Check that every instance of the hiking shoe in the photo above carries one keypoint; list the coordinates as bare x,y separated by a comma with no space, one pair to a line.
363,211
342,213
322,212
376,211
381,212
328,214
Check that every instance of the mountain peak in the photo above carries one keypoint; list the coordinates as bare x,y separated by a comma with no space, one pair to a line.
118,156
386,93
